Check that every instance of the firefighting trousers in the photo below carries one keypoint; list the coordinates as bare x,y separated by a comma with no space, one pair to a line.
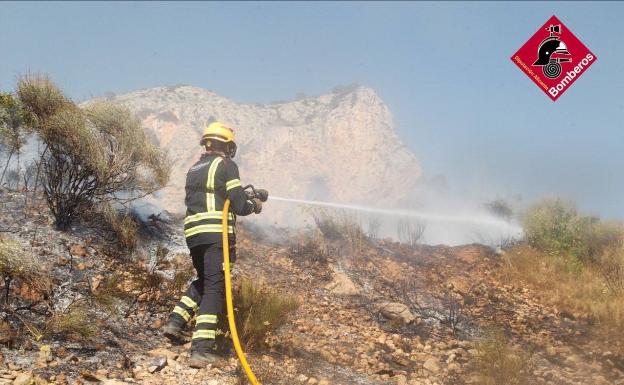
205,296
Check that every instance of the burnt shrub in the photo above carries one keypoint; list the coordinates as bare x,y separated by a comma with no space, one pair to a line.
92,154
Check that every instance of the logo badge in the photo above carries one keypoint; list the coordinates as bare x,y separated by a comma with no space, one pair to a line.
553,58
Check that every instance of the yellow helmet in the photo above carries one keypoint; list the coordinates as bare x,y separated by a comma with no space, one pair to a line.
217,131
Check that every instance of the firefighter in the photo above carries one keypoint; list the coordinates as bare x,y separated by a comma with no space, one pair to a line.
208,183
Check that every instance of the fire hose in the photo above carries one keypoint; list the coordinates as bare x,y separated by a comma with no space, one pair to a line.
263,196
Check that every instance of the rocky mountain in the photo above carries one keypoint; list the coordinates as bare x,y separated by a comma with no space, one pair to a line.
340,146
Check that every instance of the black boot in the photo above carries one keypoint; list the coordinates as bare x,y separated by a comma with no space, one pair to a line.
173,331
202,359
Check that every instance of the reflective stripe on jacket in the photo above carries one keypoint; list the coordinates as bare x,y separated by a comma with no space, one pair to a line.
208,183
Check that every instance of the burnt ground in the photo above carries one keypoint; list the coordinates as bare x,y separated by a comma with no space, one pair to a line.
338,335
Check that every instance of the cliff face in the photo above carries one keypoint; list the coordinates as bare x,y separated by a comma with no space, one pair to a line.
340,146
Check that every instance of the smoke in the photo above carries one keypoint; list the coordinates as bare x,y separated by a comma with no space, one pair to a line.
441,216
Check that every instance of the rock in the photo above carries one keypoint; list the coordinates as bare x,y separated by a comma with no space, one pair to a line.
551,351
96,281
78,250
158,364
396,311
40,381
23,379
431,364
573,358
138,373
157,324
401,379
320,128
114,382
302,378
162,352
93,377
342,285
459,285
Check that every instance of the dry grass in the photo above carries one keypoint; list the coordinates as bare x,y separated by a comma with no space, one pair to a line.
337,225
41,96
591,292
612,269
124,227
260,311
17,264
309,250
373,226
149,281
108,293
498,363
575,262
75,323
410,231
327,224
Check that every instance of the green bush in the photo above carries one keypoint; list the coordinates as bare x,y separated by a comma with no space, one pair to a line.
556,227
548,226
15,123
260,311
500,208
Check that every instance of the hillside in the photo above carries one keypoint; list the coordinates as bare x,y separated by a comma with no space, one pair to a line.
371,312
340,146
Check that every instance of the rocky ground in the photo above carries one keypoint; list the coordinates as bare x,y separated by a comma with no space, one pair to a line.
371,312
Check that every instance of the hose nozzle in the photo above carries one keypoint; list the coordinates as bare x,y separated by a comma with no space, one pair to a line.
261,194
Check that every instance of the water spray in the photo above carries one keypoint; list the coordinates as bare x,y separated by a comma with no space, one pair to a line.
465,218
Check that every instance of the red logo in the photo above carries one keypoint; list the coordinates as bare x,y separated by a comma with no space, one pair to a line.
554,58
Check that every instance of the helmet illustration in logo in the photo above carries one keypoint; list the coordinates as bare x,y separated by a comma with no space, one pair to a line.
548,53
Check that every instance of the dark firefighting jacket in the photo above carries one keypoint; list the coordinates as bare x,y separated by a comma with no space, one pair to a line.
208,183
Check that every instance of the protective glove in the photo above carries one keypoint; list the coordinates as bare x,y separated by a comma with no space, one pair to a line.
262,194
257,203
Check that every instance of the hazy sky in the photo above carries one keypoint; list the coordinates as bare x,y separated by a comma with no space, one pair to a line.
444,69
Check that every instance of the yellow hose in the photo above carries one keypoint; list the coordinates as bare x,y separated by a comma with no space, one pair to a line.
228,296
